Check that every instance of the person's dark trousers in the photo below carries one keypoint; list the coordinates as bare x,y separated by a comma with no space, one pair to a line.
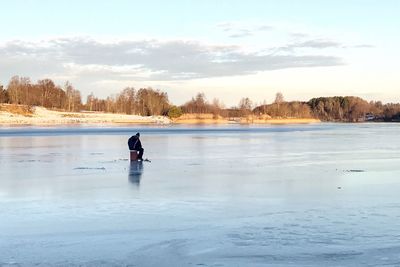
140,153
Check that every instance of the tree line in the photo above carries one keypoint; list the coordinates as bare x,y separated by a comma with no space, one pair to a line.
353,109
145,102
45,93
148,102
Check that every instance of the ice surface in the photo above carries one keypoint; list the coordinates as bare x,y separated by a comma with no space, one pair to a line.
302,195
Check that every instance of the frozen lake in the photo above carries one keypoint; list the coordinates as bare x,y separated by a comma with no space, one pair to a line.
299,195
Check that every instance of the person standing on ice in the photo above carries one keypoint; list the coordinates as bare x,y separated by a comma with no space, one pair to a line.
135,144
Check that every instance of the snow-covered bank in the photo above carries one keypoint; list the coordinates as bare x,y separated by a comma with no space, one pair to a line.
42,116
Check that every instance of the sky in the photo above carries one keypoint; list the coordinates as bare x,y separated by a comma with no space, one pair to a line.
226,49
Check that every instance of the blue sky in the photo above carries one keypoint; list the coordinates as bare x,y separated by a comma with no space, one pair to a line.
227,49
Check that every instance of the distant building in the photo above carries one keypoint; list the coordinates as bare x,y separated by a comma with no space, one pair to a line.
370,117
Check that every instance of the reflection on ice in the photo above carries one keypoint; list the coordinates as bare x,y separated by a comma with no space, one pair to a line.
135,172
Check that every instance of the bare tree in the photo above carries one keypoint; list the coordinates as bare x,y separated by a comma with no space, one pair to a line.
90,101
245,106
216,107
69,91
126,101
279,99
152,102
77,101
3,95
18,89
52,96
197,104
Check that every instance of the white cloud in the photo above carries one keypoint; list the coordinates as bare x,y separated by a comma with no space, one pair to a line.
147,59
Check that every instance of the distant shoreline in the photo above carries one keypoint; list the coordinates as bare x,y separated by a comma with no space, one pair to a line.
247,121
40,116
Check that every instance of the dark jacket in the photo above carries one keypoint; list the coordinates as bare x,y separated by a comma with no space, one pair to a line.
134,143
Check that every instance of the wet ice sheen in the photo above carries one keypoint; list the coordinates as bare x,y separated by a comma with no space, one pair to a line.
306,195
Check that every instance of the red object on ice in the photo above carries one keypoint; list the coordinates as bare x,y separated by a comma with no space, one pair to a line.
134,155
